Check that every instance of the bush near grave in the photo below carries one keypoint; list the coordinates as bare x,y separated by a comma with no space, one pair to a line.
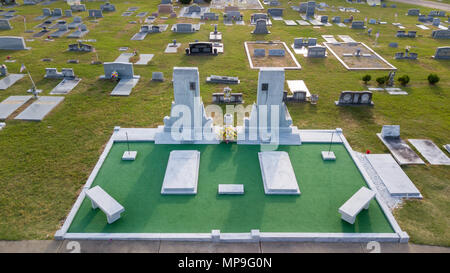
185,2
381,80
433,78
366,78
404,80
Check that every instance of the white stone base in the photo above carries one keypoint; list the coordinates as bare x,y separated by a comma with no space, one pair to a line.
328,155
129,155
231,189
277,173
181,173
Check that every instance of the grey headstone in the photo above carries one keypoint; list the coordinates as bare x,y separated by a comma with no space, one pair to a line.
259,52
157,76
261,27
12,43
277,52
442,53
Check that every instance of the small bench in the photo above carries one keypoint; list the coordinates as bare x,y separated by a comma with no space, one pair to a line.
100,199
361,199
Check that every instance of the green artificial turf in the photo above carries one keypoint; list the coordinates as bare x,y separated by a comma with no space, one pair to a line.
324,187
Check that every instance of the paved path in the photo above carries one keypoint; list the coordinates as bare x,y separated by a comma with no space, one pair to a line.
428,4
86,246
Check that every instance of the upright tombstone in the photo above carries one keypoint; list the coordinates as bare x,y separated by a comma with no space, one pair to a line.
3,70
78,7
316,52
95,13
442,53
209,16
275,12
5,25
441,34
12,43
108,7
261,27
157,76
269,121
413,12
336,19
355,98
165,8
68,13
358,25
187,122
310,9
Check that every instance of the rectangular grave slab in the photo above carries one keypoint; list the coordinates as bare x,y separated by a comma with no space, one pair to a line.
181,175
9,80
11,104
172,48
430,151
402,153
124,87
124,58
144,59
65,86
40,108
394,178
277,173
231,189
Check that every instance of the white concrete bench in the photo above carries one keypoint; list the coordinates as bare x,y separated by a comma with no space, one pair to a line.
360,200
100,199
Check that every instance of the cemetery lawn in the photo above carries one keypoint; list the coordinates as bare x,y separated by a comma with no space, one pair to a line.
44,165
324,187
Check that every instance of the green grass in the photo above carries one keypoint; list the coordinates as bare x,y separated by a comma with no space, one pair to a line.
44,165
324,187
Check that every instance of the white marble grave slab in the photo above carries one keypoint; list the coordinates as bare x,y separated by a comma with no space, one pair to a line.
65,86
171,48
298,85
290,22
181,173
430,151
124,87
277,173
144,59
40,108
11,104
329,39
124,58
402,153
303,23
422,27
394,178
9,80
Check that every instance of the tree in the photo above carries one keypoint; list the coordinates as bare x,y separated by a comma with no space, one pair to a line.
404,80
185,2
366,78
433,78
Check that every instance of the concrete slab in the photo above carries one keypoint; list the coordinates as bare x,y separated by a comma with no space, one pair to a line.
207,247
109,246
65,86
124,87
129,155
181,175
11,104
144,59
231,189
303,23
402,153
298,85
290,22
124,58
33,246
171,48
277,173
430,151
394,178
9,80
300,247
39,109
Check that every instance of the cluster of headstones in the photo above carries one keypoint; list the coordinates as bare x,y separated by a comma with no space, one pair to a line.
403,34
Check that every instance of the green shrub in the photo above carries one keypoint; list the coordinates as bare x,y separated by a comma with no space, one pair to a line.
185,2
404,80
207,1
381,80
366,78
433,78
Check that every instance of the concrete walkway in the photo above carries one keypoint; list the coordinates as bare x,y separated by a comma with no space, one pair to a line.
428,4
204,247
